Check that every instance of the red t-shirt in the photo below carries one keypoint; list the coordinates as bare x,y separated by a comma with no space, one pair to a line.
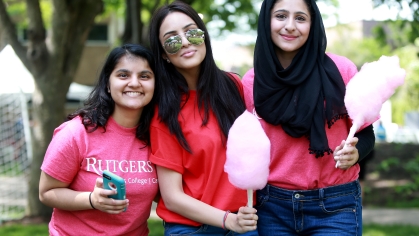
202,171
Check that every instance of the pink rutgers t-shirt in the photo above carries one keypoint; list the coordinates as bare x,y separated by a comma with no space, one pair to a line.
77,157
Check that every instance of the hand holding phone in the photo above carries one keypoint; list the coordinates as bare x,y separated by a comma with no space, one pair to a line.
112,181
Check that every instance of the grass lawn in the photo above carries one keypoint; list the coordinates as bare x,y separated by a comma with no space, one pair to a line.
156,229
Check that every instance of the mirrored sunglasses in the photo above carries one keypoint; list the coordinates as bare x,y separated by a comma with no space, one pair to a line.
173,44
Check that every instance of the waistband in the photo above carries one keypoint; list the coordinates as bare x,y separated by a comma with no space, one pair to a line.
328,192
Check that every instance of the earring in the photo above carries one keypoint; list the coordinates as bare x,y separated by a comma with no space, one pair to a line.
109,90
168,61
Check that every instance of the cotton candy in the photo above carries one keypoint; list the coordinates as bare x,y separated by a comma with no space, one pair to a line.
370,88
248,154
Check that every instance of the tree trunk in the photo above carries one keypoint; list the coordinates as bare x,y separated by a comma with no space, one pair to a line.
48,113
53,62
133,27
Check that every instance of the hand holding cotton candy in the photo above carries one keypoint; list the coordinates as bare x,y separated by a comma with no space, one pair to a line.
369,89
248,155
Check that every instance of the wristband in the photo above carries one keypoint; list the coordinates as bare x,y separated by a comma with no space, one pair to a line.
224,220
90,200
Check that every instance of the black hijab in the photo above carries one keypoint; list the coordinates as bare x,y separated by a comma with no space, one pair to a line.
305,95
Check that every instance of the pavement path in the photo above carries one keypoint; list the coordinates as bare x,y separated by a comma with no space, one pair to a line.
391,216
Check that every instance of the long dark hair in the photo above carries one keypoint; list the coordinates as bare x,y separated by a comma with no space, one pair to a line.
216,89
100,105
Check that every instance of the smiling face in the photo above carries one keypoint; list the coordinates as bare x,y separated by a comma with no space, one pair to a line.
131,85
290,26
189,56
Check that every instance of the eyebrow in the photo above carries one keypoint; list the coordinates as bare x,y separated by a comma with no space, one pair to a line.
146,72
174,31
122,70
141,72
298,12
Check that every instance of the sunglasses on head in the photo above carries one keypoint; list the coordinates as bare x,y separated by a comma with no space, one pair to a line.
173,44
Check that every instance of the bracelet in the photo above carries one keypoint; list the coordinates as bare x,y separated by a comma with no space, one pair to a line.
90,200
224,219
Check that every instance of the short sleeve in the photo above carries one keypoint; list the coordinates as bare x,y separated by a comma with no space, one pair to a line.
61,160
165,149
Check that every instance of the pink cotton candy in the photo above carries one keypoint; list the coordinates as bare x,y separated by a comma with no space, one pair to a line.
248,153
370,88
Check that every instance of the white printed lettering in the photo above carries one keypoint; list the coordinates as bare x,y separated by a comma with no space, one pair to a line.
132,166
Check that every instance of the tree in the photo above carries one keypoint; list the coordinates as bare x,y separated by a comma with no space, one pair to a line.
228,14
407,30
52,57
413,4
406,99
404,37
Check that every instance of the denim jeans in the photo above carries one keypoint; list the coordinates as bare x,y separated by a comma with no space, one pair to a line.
335,210
171,229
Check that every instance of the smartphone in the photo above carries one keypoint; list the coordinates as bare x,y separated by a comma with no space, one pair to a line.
113,181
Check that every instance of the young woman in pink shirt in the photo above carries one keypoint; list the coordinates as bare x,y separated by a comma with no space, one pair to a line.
297,91
111,132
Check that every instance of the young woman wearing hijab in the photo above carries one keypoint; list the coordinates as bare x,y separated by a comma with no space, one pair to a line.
197,105
111,132
297,90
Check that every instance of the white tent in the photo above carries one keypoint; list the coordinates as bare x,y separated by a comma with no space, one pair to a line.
14,77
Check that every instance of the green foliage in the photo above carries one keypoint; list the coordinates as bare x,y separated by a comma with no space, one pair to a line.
25,230
411,167
155,226
402,29
17,11
398,33
360,51
229,14
387,164
413,4
405,99
113,7
389,230
226,14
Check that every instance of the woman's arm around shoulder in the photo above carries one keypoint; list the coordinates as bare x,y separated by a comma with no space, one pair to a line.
247,81
346,67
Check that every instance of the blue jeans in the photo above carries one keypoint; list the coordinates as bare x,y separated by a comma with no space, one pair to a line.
171,229
335,210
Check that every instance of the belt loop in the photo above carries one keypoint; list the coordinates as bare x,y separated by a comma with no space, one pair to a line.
267,189
321,193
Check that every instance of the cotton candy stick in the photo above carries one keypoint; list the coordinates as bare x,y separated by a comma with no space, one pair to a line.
369,89
248,155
